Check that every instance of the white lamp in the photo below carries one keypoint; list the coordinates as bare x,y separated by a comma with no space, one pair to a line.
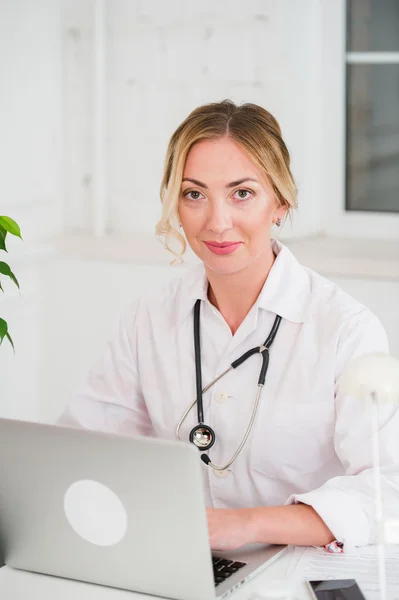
375,378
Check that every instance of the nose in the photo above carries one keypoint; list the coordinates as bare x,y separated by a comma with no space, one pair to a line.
219,217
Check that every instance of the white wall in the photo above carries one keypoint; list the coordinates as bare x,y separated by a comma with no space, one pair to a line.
30,115
31,188
21,374
163,60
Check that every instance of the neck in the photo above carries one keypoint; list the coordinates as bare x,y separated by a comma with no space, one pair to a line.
235,294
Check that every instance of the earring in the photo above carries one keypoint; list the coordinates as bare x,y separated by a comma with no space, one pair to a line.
278,222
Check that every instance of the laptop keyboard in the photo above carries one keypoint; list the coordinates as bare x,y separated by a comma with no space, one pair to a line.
224,568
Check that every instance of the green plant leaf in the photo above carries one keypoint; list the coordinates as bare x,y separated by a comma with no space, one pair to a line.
5,270
11,226
5,334
3,330
1,288
10,340
3,234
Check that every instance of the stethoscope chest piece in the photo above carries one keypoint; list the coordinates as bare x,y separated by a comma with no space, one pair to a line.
202,436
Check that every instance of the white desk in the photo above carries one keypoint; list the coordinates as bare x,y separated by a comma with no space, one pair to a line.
21,585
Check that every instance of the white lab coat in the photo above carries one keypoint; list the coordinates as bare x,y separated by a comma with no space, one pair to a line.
310,443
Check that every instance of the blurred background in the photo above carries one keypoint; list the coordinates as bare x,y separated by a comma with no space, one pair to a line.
91,91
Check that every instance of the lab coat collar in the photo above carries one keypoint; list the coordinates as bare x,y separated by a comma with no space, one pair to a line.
286,291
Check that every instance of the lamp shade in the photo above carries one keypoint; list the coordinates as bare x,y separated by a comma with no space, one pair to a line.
374,373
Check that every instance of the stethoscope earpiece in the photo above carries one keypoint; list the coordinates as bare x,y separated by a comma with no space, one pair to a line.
202,436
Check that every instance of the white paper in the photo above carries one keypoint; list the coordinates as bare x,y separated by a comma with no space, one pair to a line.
359,564
296,554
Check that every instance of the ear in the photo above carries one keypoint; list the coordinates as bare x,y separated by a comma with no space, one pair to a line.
279,214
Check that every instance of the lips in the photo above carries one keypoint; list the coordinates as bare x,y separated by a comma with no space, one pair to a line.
222,247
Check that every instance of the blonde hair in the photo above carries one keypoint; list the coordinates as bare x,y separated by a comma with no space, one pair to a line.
250,125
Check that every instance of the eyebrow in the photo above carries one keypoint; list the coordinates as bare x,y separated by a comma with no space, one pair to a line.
228,185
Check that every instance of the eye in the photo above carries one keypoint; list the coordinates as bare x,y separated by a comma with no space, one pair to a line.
243,194
195,195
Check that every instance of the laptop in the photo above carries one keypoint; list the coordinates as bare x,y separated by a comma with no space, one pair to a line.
125,512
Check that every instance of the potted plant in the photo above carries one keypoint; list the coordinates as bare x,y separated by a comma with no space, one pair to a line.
7,225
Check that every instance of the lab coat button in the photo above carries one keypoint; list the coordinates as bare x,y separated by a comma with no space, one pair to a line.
222,397
221,474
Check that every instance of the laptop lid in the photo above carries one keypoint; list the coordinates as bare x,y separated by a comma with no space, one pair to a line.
119,511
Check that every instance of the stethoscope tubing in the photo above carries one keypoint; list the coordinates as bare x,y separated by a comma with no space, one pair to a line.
263,349
244,439
184,416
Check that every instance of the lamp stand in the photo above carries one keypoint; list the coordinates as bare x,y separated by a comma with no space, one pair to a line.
378,497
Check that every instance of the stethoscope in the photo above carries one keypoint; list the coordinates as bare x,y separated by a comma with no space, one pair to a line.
202,435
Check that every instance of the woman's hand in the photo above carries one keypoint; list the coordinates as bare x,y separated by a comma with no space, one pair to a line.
229,528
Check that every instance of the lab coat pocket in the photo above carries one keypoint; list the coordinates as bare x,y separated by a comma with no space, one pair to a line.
293,439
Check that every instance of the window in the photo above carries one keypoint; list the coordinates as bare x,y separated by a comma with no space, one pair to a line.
372,106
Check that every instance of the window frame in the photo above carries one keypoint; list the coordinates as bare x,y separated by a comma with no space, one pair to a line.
338,220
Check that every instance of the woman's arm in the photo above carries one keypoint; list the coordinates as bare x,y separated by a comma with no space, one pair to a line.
343,508
346,503
296,524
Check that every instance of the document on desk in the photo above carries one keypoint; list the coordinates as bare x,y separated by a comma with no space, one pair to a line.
359,564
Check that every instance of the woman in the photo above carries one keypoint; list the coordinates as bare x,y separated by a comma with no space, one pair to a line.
303,476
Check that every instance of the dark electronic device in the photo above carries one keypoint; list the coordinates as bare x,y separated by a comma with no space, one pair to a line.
336,589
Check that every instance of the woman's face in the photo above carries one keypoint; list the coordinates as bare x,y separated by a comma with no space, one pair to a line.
226,207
